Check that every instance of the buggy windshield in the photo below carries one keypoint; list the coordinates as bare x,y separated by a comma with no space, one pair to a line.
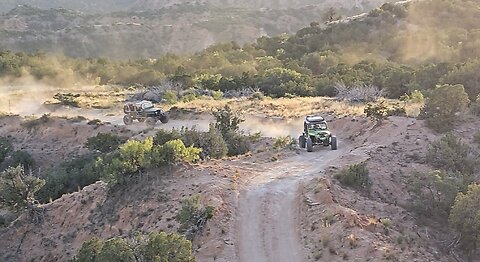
144,105
318,126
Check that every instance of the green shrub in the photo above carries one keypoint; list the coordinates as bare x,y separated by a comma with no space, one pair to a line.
189,97
192,137
159,246
112,169
19,158
237,144
112,250
17,189
69,176
257,96
67,99
168,247
173,152
163,136
380,111
90,251
192,217
465,219
434,192
170,97
376,112
386,222
135,157
441,108
116,250
217,95
416,97
284,142
255,137
131,160
30,124
212,143
227,121
397,110
104,142
355,176
451,154
5,148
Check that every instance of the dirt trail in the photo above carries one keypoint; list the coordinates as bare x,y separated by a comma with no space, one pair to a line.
268,209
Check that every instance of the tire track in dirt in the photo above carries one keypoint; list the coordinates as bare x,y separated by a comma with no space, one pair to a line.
267,225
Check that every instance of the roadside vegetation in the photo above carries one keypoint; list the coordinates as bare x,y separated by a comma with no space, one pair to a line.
305,64
448,193
355,176
159,246
13,158
119,163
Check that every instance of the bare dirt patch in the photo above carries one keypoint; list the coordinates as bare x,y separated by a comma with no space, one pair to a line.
55,140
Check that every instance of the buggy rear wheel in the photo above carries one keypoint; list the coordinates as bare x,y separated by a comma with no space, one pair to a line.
150,121
127,120
334,143
309,145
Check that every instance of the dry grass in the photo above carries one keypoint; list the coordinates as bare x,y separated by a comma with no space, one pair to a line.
352,240
101,100
413,109
372,221
103,97
282,107
289,107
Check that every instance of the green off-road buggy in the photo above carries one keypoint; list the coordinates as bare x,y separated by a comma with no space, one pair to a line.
316,133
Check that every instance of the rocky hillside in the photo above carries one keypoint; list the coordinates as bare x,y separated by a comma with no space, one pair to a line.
336,223
106,6
162,28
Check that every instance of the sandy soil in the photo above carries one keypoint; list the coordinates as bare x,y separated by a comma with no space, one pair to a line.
268,210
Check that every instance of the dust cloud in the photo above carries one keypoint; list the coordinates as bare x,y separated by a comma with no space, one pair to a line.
427,36
24,97
27,96
429,31
273,127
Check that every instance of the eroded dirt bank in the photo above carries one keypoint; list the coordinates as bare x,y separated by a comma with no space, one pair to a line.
270,205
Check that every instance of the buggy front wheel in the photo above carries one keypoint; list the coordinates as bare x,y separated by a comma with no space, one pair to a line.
164,118
302,142
309,145
334,143
127,120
